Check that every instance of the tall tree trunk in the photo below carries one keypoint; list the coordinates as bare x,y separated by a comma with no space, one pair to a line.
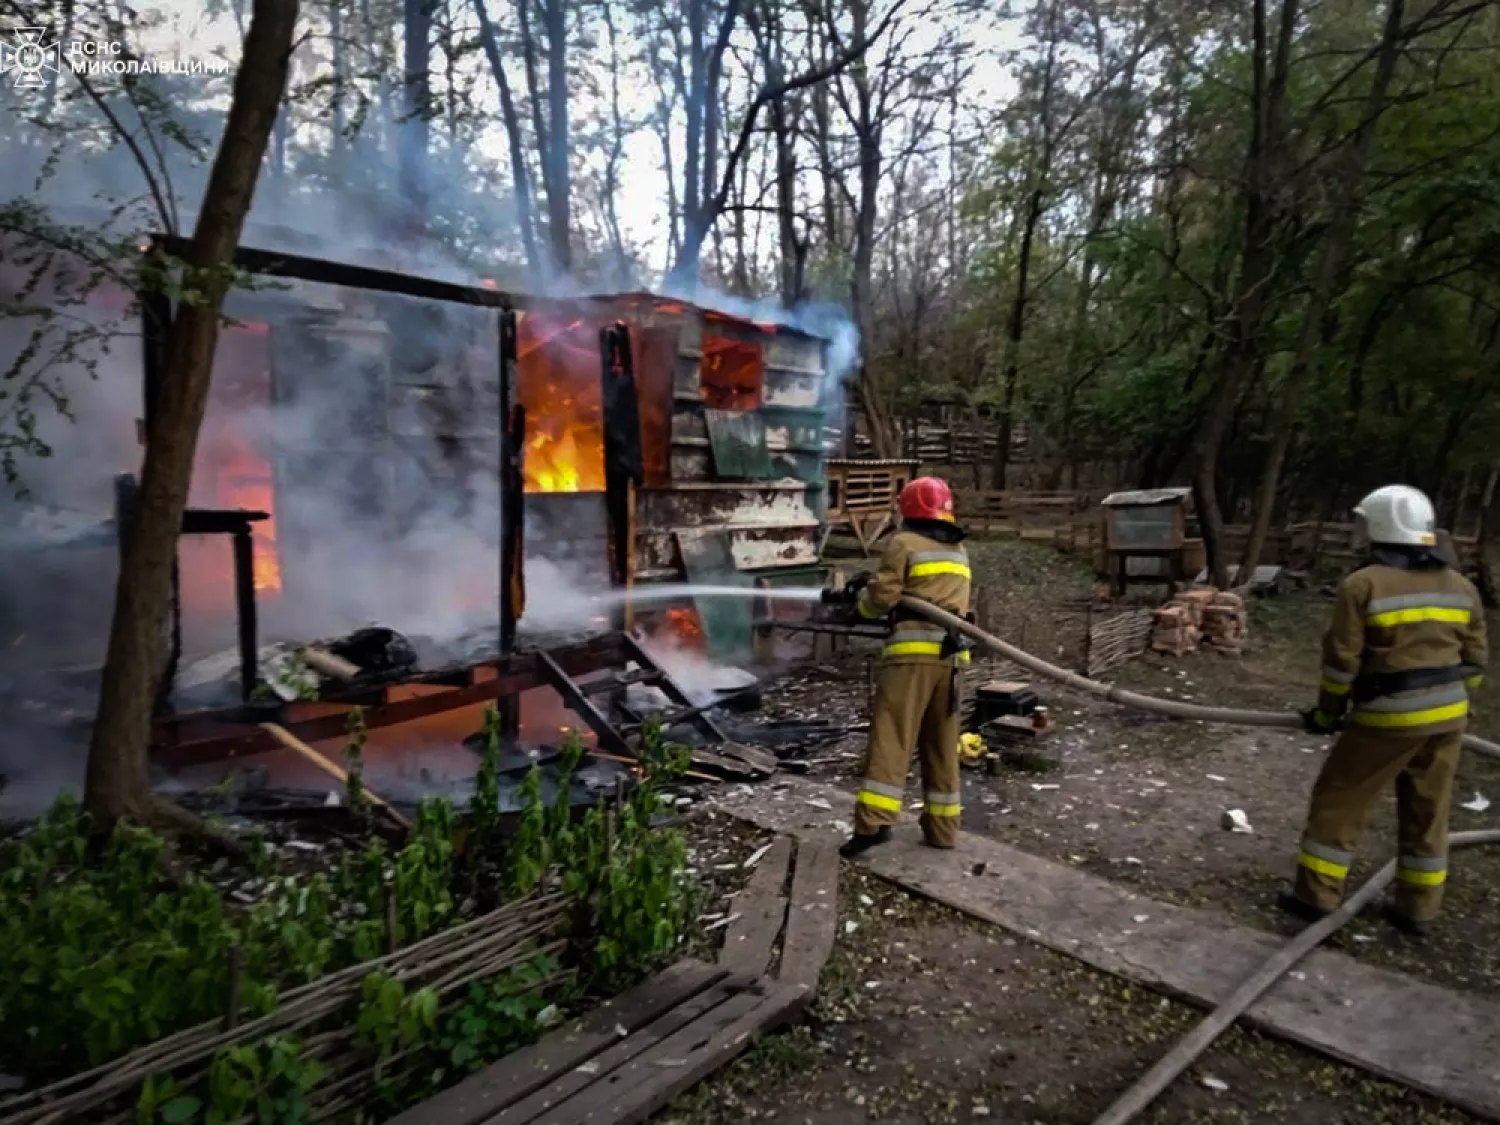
340,120
1014,330
520,175
559,171
116,785
1329,278
1035,200
615,155
375,61
1242,351
413,143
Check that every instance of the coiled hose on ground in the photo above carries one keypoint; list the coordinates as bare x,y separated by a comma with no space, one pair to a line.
1156,1080
1171,708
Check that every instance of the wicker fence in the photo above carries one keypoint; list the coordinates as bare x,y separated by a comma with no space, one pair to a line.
1116,640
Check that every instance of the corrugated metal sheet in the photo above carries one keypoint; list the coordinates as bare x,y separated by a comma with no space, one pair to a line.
739,444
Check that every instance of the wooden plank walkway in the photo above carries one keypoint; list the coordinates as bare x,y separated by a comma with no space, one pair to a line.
624,1060
629,1057
758,912
812,915
1440,1041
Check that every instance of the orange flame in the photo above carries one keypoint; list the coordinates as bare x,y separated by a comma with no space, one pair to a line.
560,386
684,625
230,471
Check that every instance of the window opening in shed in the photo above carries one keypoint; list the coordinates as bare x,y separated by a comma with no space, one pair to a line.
732,373
559,382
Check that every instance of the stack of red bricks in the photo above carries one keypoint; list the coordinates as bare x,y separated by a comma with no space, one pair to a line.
1225,623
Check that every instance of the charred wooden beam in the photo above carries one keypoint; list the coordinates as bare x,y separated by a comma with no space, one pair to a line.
244,607
210,736
623,463
512,508
610,740
271,263
512,486
673,690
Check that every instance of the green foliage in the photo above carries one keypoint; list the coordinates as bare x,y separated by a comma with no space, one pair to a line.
1139,252
499,1016
484,809
529,853
389,1017
99,953
268,1081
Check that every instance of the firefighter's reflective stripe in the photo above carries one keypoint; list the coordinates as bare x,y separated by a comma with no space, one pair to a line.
1415,708
915,642
880,796
942,804
867,610
963,657
1408,609
1336,681
1422,871
1474,683
926,563
1325,860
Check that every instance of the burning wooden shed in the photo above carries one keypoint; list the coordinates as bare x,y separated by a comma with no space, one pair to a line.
623,440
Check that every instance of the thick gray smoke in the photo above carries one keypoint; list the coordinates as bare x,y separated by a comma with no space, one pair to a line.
396,523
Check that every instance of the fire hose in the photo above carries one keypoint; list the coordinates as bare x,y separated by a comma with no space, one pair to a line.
1170,708
1156,1080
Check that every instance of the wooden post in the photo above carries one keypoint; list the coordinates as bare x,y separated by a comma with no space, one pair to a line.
630,549
392,932
232,991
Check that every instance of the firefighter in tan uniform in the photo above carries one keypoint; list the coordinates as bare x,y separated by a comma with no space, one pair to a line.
1405,648
916,701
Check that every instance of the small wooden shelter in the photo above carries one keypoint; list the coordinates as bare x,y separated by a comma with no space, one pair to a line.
1146,536
862,497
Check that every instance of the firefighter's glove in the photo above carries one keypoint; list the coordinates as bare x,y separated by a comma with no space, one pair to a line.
848,594
1317,721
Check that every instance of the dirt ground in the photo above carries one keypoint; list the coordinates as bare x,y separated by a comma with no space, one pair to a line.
1140,799
927,1016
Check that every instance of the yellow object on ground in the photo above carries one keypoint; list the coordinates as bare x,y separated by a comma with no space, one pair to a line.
970,747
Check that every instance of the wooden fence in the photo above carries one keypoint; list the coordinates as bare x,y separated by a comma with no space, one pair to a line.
1116,640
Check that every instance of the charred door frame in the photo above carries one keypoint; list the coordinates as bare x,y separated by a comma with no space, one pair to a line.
156,317
623,464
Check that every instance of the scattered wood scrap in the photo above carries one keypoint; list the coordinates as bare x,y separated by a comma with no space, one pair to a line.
626,1059
338,773
812,914
758,911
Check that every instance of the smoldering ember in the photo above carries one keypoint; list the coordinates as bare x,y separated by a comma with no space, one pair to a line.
734,562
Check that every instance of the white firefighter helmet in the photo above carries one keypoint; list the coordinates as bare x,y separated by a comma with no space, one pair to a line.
1399,514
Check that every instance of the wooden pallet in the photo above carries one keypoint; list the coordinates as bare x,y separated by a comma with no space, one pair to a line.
629,1057
626,1059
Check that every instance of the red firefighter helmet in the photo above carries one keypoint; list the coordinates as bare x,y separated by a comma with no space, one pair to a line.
927,498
